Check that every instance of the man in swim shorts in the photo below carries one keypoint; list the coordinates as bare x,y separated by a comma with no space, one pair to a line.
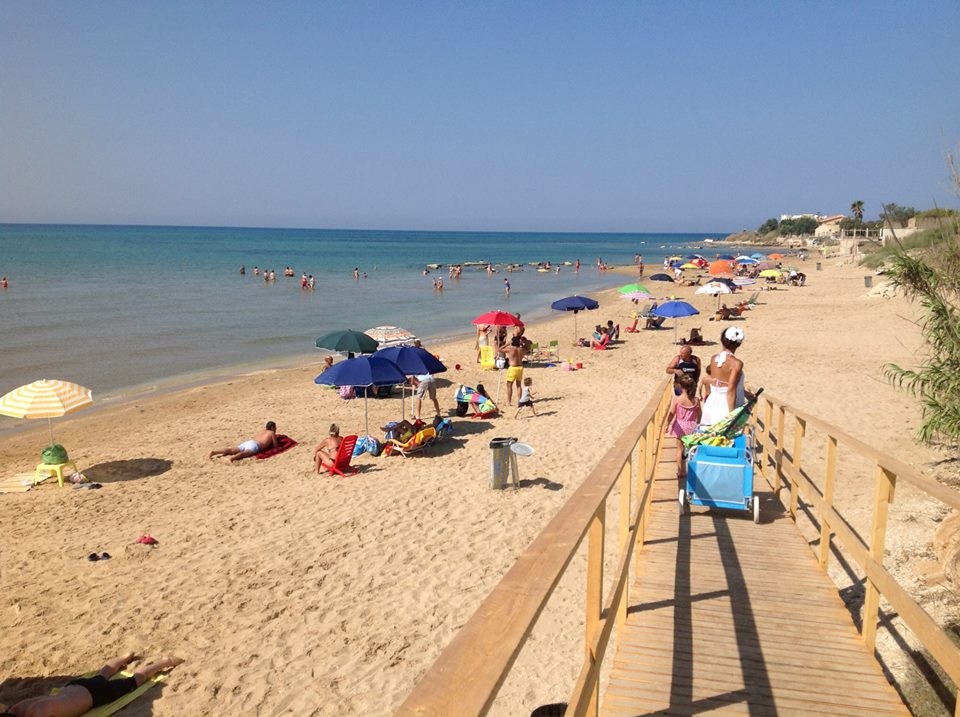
514,354
426,386
84,693
267,438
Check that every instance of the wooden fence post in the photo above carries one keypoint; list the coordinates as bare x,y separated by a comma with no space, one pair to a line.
641,462
825,532
595,549
885,482
799,431
778,483
625,515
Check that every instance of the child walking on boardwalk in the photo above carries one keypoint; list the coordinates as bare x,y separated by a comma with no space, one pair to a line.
684,417
526,398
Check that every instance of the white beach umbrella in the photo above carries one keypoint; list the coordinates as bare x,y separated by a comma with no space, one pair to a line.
45,399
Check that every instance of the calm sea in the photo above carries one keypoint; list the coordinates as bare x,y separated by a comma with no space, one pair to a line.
123,307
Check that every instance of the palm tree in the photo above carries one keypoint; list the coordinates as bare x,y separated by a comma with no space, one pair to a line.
857,209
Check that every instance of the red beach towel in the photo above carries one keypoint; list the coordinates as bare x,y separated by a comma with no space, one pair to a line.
283,443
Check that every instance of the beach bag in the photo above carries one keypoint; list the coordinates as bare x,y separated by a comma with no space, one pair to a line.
347,392
462,408
54,455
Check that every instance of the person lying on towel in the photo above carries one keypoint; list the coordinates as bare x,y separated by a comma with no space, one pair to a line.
84,693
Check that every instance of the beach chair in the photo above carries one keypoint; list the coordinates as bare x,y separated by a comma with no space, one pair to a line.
752,301
602,344
420,440
534,354
341,464
552,352
632,328
487,359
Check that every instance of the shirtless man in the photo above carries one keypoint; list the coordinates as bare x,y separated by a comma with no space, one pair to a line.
514,354
325,454
267,438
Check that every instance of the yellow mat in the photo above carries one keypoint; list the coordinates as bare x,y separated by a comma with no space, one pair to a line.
20,483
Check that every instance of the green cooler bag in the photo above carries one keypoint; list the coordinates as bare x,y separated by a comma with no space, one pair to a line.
54,455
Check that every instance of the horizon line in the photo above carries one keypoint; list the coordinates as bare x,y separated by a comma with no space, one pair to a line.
347,229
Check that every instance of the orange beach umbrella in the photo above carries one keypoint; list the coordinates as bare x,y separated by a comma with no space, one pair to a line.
721,267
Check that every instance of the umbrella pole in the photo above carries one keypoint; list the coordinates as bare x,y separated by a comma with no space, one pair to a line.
499,372
366,419
50,426
574,328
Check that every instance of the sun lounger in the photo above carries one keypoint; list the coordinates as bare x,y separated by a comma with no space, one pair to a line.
552,352
420,440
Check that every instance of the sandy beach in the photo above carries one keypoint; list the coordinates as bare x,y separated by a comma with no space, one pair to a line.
289,593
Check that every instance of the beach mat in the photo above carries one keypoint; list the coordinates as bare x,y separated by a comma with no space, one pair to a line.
116,705
20,483
284,443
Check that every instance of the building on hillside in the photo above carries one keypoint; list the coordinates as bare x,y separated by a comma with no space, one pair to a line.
829,226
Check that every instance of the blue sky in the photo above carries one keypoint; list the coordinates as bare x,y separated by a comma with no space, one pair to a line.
632,116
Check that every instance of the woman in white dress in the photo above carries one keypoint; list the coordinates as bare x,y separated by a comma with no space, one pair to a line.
722,385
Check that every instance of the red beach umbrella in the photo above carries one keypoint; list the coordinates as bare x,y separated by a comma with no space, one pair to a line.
497,318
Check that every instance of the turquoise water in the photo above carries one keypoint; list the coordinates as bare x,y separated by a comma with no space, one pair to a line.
115,307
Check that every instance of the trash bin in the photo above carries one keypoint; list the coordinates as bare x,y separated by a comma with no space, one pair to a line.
818,266
868,281
500,458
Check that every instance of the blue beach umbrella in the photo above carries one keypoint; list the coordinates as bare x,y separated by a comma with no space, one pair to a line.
662,277
758,256
675,310
576,304
726,257
362,371
413,361
747,260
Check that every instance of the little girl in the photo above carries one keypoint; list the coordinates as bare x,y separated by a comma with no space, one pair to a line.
684,417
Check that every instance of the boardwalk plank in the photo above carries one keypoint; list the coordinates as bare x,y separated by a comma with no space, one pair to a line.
730,617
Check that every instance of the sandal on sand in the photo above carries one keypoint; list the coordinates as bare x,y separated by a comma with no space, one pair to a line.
93,557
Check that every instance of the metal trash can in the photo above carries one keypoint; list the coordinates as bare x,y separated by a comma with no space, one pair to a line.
500,461
818,266
868,281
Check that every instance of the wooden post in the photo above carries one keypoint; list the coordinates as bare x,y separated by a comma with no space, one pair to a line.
767,426
799,430
778,483
625,515
641,452
825,532
594,596
885,482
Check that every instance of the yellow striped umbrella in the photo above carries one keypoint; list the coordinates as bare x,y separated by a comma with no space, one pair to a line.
45,399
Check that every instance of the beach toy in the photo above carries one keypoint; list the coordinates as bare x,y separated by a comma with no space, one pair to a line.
579,365
457,366
147,540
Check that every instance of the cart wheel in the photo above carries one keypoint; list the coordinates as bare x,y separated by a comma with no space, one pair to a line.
682,499
756,509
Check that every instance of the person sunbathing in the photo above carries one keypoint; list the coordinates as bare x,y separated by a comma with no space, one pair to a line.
325,454
267,438
84,693
603,340
613,330
654,322
695,337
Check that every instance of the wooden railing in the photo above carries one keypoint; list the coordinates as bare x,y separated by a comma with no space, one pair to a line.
784,469
468,674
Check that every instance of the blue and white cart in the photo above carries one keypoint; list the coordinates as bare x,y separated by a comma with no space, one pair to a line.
721,477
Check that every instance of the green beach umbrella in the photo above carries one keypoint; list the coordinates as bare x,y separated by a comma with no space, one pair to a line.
633,288
348,341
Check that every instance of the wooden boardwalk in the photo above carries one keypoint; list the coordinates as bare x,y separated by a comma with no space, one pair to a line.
730,617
